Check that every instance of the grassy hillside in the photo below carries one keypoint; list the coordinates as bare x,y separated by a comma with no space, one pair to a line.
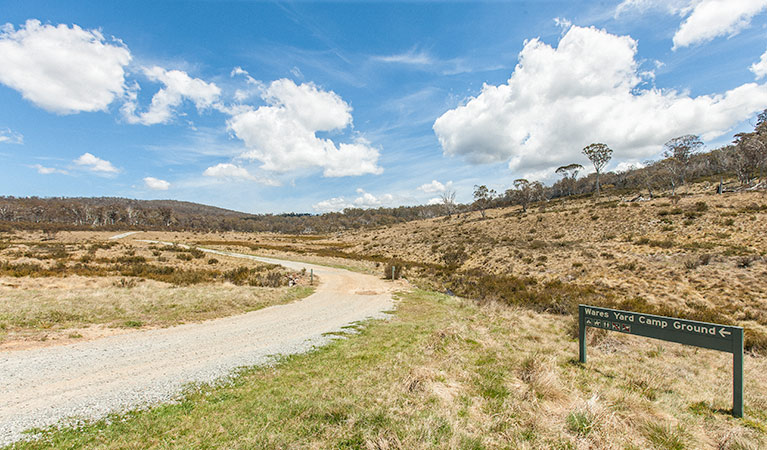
702,258
447,373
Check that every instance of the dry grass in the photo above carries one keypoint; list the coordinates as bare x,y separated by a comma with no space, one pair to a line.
448,373
81,285
41,309
703,258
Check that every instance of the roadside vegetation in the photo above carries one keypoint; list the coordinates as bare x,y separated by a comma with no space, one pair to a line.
68,289
445,372
701,256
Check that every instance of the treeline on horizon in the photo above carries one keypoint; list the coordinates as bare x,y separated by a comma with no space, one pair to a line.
745,161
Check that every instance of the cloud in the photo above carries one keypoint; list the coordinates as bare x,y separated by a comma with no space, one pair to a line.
7,136
680,7
628,165
48,170
412,57
713,18
364,200
368,200
282,134
760,67
178,86
96,164
156,184
705,19
332,205
563,23
434,201
435,186
558,100
61,69
235,172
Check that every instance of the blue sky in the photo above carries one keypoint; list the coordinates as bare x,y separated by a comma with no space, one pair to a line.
270,107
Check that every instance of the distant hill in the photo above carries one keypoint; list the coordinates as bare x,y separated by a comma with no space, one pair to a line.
71,213
122,213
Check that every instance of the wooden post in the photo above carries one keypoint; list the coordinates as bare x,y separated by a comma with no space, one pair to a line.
311,277
581,334
737,373
392,272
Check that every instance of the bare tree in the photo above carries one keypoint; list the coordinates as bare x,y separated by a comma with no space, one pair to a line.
599,154
448,201
482,198
679,150
569,174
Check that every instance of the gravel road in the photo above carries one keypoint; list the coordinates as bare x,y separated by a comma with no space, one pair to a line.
88,380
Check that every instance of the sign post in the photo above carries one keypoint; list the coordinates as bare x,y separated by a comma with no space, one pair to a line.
724,338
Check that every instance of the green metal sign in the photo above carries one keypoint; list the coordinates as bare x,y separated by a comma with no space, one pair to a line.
724,338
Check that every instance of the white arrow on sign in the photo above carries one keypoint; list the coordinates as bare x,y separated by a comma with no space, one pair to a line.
724,333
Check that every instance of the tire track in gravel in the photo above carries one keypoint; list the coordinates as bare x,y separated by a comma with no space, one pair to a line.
88,380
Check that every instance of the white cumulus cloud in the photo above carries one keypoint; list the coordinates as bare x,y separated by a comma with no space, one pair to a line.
760,67
368,200
96,164
156,184
704,19
364,200
713,18
282,134
178,86
235,172
8,136
587,89
435,186
62,69
332,205
47,170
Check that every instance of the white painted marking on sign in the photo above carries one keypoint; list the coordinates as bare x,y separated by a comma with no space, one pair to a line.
724,333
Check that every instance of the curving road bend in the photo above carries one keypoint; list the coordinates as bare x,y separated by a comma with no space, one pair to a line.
88,380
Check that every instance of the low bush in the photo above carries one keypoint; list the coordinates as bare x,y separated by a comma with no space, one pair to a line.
394,268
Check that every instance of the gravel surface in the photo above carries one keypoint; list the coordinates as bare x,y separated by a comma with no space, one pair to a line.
123,235
88,380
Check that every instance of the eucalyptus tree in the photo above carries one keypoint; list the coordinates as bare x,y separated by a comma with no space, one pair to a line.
678,152
482,198
599,154
569,174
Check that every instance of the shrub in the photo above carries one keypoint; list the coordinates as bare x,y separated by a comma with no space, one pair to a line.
212,261
453,256
744,262
184,256
536,244
393,267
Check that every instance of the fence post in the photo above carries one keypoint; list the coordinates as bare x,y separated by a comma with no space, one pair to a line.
392,272
311,277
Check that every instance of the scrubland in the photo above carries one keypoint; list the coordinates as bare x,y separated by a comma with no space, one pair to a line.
703,258
79,285
481,352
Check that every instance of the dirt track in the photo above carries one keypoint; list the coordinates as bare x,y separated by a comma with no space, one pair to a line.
44,386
